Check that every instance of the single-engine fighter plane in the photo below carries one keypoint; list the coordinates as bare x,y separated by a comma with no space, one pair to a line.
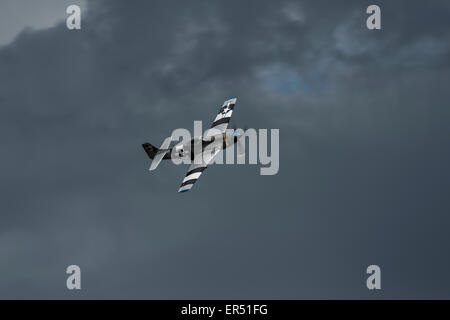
200,150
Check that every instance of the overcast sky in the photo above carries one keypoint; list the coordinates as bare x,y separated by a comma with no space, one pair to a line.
16,15
364,149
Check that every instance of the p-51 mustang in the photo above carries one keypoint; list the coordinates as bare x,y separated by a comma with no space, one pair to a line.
200,150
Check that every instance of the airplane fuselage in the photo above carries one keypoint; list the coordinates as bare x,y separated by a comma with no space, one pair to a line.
198,145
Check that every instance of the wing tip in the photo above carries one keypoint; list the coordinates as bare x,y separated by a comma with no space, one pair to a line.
230,101
185,188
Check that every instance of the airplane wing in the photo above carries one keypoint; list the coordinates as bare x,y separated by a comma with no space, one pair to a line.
202,160
222,119
195,170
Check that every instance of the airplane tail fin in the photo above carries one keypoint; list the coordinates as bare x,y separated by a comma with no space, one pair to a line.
157,154
150,150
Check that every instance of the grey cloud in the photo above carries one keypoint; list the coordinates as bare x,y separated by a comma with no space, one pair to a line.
363,140
16,16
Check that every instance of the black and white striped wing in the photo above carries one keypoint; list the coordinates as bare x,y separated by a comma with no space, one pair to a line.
195,170
223,117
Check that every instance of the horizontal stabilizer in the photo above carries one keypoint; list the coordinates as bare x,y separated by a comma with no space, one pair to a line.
161,153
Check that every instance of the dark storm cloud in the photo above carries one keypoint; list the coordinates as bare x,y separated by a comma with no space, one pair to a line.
364,135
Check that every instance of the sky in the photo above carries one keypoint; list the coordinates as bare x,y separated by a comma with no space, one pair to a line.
16,15
364,160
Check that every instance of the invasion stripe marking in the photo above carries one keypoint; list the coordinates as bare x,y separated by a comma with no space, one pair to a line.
192,176
192,181
200,169
220,121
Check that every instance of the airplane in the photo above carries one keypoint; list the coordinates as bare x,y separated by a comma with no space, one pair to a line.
200,150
